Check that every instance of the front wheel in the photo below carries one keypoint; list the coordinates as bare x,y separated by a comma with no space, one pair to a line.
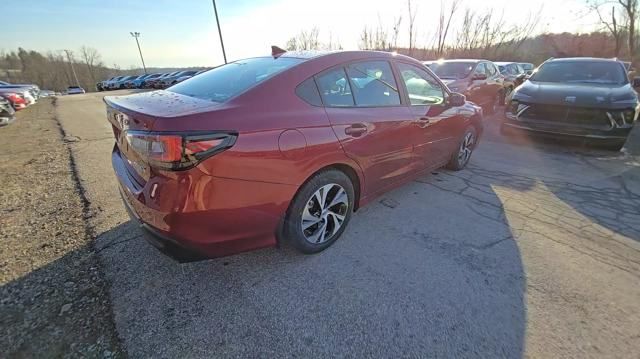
320,212
461,157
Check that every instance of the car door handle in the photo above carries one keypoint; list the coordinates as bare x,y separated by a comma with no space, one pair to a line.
355,130
423,122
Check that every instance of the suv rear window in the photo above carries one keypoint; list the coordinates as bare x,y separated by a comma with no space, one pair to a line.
222,83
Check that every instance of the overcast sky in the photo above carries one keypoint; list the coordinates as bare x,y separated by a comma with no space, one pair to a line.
178,33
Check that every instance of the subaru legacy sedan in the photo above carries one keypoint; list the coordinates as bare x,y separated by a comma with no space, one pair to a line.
283,148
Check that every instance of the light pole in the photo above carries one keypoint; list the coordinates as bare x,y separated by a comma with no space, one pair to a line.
73,69
136,35
215,10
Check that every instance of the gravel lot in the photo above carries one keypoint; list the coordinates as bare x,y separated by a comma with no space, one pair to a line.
533,251
53,299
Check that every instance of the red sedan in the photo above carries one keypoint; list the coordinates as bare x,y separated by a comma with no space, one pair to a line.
281,148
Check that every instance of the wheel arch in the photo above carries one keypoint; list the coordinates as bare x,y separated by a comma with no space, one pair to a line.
350,170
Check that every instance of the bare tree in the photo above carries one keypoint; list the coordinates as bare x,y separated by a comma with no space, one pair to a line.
412,30
631,9
486,34
444,23
91,58
396,31
305,40
374,38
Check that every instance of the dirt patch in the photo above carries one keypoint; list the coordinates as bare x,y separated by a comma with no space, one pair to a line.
53,299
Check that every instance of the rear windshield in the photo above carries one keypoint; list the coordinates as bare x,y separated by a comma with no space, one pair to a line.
221,83
597,72
452,70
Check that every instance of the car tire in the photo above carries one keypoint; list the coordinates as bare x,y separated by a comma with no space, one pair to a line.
460,158
311,226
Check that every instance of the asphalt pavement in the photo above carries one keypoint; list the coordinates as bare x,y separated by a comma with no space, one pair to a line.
533,251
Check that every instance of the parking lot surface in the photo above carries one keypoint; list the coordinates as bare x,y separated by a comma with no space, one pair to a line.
532,251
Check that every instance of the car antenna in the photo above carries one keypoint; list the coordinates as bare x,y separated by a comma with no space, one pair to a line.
276,51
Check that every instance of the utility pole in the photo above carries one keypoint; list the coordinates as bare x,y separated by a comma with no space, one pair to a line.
215,10
73,69
136,35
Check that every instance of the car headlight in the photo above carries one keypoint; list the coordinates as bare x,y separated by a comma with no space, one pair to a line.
622,118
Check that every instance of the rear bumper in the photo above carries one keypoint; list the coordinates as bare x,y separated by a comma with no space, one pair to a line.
197,215
165,244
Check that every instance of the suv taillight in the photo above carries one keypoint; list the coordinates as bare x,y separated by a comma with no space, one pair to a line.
174,151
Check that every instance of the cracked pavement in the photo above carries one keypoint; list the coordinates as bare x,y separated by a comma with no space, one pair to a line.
532,251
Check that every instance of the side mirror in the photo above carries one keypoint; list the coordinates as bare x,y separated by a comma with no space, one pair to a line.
457,99
479,77
529,72
636,82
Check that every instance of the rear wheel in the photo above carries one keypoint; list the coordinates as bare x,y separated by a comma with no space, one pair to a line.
320,212
460,158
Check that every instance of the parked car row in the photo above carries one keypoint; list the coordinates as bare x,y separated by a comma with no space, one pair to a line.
19,96
590,99
146,81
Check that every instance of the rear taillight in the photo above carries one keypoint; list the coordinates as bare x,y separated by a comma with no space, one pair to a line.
177,151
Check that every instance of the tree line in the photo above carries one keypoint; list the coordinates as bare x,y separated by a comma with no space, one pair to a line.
462,32
55,70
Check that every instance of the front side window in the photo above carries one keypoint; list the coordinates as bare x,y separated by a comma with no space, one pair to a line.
422,88
223,82
334,88
373,84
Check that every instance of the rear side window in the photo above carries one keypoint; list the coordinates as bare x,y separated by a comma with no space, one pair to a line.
223,82
308,91
334,88
373,84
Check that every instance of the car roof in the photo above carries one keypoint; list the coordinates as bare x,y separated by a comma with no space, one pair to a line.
582,59
504,63
462,60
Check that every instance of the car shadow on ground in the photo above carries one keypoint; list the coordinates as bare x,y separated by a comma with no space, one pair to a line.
599,188
421,272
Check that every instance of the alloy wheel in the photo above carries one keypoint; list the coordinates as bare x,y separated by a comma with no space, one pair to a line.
324,213
465,148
